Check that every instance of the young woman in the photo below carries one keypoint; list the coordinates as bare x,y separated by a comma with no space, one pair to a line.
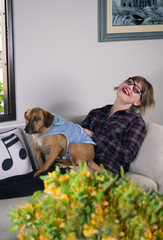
118,131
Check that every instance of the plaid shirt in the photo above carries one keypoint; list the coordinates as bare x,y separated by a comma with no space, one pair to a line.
117,139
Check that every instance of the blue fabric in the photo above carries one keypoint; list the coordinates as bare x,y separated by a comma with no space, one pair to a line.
57,120
73,132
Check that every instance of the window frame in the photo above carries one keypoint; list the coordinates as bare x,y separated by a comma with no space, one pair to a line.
9,82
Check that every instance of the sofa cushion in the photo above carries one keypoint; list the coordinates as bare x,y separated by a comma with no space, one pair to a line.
143,181
149,160
14,159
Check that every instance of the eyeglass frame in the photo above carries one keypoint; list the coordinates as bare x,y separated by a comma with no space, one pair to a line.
134,84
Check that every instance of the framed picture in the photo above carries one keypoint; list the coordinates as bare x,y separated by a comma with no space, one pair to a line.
122,20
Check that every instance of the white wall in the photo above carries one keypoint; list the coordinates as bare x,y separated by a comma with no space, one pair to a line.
61,66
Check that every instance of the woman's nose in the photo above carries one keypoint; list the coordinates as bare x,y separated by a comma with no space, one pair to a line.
131,87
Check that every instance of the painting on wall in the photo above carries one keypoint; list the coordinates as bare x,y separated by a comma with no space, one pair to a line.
121,20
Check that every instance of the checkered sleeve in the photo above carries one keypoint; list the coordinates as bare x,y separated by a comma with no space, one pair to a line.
88,120
122,148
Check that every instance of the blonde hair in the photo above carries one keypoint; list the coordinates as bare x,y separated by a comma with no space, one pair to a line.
147,95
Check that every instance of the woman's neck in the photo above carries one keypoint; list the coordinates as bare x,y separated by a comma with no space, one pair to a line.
117,106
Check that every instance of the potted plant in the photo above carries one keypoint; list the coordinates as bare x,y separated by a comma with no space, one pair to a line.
81,205
1,98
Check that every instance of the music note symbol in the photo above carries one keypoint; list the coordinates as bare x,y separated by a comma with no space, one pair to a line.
8,142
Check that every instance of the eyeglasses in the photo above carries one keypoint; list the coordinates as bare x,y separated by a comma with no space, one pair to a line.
136,88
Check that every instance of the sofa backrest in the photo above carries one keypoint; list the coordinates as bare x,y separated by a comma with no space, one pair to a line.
149,160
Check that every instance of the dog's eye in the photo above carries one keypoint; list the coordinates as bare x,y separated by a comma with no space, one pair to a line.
36,119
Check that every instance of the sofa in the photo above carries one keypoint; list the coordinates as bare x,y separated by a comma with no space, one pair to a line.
146,169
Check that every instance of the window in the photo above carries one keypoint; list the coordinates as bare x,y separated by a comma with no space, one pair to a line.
7,80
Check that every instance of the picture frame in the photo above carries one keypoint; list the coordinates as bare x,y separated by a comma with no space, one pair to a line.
107,32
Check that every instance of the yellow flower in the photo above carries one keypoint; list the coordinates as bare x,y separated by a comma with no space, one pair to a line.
86,174
17,213
21,235
90,190
44,237
100,213
89,230
46,185
75,205
121,234
39,214
72,236
96,219
148,235
93,193
52,190
47,189
52,174
100,178
105,203
108,238
59,222
28,207
64,178
63,197
56,192
73,172
80,180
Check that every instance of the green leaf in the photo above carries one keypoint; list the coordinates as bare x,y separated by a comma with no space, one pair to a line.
122,172
106,184
85,167
46,177
37,193
57,170
100,195
14,229
80,166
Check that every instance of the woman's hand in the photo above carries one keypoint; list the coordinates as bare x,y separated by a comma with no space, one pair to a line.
90,133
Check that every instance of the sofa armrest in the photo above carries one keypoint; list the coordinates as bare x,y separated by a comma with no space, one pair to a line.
149,160
144,181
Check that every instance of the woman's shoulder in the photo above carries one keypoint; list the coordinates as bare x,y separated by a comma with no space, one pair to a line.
135,116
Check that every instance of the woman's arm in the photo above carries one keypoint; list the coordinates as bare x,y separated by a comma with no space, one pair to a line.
122,149
90,133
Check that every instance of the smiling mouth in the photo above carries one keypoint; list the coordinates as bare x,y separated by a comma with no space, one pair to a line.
125,91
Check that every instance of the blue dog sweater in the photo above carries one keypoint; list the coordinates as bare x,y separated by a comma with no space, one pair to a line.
73,132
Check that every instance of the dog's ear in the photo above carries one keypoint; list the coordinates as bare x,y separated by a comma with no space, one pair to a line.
48,119
25,114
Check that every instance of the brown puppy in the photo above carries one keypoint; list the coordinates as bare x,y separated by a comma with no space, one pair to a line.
39,123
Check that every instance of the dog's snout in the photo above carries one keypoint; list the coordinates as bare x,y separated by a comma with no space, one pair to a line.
28,130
